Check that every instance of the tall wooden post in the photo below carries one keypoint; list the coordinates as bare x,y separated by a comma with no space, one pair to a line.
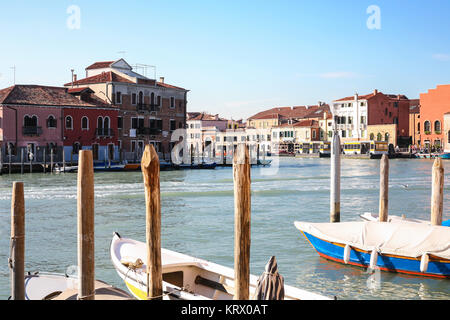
150,173
335,179
64,160
437,192
31,162
85,213
384,189
45,159
51,159
17,262
21,160
242,213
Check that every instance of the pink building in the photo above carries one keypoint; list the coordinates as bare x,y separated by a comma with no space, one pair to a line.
31,119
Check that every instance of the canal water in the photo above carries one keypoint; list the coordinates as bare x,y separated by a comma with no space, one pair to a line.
198,220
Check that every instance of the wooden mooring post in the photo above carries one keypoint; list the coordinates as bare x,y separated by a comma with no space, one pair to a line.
17,259
437,192
384,189
45,160
51,160
21,161
64,160
85,217
242,213
150,172
335,179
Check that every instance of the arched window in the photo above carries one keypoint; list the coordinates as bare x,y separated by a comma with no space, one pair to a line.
84,123
141,98
69,122
100,123
379,136
386,137
427,127
152,99
437,126
372,136
30,121
51,122
418,127
106,126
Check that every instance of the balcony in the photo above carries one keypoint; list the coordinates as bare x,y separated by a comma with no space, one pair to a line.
144,107
148,131
31,131
104,132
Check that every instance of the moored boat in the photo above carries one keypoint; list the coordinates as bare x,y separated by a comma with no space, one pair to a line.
405,247
368,216
184,277
56,286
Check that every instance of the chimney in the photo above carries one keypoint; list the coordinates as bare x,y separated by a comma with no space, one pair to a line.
161,79
375,91
356,96
74,78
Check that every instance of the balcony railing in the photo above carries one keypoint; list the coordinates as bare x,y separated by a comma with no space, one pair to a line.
148,131
104,132
31,131
142,107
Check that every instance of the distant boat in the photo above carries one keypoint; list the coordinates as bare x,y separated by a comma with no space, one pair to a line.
194,166
427,155
445,155
184,277
405,247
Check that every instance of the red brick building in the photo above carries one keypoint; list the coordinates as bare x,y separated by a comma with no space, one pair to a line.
433,105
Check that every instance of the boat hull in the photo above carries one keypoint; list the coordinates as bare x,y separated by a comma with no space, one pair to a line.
437,267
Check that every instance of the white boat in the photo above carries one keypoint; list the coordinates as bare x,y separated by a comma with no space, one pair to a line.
56,286
184,277
368,216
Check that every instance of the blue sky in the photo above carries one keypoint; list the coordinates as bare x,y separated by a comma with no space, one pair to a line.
236,57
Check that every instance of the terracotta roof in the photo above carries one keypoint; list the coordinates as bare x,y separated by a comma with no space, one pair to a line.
165,85
360,97
203,116
100,65
306,123
100,78
296,112
80,89
40,95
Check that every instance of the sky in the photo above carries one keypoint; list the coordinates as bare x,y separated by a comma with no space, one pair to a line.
236,57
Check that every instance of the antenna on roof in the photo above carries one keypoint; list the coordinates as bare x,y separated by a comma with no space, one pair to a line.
144,68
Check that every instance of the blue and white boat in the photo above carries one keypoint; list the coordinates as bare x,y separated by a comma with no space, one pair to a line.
405,247
445,155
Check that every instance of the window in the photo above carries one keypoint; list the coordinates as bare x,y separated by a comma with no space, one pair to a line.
427,127
395,120
418,127
134,123
51,122
314,134
141,98
437,127
84,123
448,136
120,122
173,124
119,97
158,101
172,102
379,136
386,137
133,98
11,149
100,123
152,99
69,123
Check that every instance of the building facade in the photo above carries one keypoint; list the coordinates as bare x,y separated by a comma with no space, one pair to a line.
433,105
149,110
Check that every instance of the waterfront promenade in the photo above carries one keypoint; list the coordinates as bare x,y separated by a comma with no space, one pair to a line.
198,206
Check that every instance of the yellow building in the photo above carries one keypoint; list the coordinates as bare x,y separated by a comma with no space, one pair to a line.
383,132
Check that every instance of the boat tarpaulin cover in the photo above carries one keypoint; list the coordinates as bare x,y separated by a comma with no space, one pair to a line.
407,239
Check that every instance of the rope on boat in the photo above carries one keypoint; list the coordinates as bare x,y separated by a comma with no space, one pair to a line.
133,266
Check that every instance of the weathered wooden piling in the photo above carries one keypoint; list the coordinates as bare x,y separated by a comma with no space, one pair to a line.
63,161
384,189
335,179
17,259
51,160
242,213
437,192
85,213
45,160
150,172
30,159
21,161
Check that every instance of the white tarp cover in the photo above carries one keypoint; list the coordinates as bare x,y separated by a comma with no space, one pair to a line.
407,239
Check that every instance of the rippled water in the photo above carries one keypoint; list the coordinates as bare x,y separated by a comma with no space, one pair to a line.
198,220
